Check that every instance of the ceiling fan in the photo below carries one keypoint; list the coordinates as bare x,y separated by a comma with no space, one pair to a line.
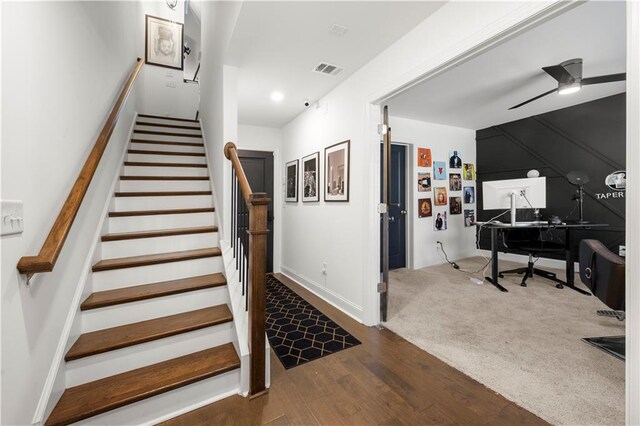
568,74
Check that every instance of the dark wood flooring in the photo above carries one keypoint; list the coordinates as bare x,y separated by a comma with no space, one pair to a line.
384,381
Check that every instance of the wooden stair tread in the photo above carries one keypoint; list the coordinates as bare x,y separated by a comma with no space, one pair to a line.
160,212
153,132
156,164
164,177
173,126
155,259
118,296
90,399
176,153
158,233
160,193
168,118
109,339
152,142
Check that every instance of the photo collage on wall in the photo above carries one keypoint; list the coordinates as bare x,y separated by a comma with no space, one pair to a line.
458,197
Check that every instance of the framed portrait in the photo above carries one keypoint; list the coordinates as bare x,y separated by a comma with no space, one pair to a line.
469,194
310,178
424,207
455,182
469,217
163,42
440,196
455,205
424,182
424,157
291,176
455,162
440,221
336,172
469,171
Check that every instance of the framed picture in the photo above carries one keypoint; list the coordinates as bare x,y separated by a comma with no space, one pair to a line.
310,167
469,217
455,182
440,222
439,170
291,173
424,157
440,196
424,182
163,42
469,194
424,207
455,162
455,205
336,172
469,172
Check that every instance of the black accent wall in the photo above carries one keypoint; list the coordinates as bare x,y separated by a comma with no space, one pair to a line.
589,137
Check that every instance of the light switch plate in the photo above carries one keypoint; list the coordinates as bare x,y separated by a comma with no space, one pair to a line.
11,217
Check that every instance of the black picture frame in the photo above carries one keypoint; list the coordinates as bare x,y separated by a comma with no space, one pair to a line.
310,177
291,182
336,172
152,36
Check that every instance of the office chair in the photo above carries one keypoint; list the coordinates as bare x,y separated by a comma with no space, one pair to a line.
531,242
603,273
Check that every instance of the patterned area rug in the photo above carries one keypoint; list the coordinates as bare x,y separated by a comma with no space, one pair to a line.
297,331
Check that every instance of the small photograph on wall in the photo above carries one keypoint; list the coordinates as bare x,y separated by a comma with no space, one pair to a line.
440,196
291,173
440,221
469,217
424,207
469,194
439,170
455,205
455,162
424,182
469,171
455,182
424,157
336,172
310,177
163,42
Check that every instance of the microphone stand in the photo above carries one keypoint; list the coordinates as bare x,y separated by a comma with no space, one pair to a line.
580,199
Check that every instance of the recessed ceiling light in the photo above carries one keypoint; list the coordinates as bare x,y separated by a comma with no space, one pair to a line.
277,96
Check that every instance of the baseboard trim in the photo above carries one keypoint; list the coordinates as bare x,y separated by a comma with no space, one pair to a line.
57,365
543,261
349,308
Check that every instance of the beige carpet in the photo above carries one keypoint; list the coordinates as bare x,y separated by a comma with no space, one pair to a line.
524,344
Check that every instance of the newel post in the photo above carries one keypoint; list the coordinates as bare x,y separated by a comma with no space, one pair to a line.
257,299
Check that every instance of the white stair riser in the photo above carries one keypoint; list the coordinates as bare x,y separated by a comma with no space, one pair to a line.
151,158
163,120
164,185
169,129
106,364
125,277
163,147
156,137
124,204
155,409
165,171
141,246
127,313
161,221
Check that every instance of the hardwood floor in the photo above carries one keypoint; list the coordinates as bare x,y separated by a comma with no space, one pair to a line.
386,380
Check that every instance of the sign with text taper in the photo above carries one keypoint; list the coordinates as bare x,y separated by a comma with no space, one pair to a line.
164,40
336,172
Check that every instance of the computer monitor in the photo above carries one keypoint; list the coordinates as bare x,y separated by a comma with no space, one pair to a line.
528,193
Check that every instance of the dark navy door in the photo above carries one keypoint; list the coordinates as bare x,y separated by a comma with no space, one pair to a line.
398,207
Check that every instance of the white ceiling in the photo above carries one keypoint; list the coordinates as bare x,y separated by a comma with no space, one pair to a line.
276,45
478,93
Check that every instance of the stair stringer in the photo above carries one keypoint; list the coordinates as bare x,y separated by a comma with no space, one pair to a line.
55,383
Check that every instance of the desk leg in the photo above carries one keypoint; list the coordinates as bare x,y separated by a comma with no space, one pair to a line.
568,250
494,261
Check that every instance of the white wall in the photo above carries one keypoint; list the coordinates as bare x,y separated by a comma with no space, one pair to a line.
345,234
268,139
157,97
192,36
60,78
458,240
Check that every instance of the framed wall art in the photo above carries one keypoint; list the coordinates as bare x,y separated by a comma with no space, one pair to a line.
163,42
310,178
291,176
336,172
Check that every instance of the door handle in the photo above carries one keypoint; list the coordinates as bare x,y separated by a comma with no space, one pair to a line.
391,218
403,211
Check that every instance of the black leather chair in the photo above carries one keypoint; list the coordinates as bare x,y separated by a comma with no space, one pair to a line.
603,272
531,241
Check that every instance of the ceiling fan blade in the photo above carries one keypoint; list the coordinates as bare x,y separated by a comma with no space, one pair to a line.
533,99
604,79
558,72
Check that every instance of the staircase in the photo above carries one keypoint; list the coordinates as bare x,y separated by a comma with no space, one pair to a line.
156,331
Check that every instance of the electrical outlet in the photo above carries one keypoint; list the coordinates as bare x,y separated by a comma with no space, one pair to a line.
324,268
622,251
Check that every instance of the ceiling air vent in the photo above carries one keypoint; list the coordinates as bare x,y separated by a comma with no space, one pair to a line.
328,69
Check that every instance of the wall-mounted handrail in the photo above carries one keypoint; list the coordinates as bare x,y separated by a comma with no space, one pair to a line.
249,217
52,246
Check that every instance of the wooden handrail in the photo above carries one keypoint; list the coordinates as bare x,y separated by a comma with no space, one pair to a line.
52,246
257,205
